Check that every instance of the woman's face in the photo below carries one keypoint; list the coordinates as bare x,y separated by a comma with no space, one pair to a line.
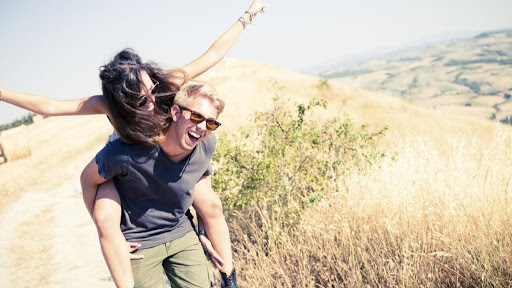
146,91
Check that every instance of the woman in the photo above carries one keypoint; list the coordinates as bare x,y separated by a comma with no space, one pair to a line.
145,128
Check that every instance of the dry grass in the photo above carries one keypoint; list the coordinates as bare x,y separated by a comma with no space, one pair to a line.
428,217
54,142
30,259
14,144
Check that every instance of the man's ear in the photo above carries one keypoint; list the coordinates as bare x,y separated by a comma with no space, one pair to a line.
175,113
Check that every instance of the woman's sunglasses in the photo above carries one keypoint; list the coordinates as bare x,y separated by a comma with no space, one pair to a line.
143,99
197,118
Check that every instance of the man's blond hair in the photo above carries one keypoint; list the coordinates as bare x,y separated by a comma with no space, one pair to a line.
194,89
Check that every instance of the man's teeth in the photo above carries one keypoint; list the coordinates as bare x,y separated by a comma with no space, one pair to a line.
194,134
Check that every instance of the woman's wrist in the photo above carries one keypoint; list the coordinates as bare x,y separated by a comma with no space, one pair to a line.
251,15
245,20
3,95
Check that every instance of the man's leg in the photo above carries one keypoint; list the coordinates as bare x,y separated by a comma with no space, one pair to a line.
187,266
107,217
148,271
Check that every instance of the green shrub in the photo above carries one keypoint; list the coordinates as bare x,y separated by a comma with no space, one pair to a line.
287,161
25,120
323,85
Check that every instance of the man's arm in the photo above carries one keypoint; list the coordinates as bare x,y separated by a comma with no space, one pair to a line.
209,207
90,180
217,261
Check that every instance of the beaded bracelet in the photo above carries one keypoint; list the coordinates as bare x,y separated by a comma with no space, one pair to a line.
1,96
242,20
251,15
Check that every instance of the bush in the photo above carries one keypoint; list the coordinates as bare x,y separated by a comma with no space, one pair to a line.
323,85
25,120
287,161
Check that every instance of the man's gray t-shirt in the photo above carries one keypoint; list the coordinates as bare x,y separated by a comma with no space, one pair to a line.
155,191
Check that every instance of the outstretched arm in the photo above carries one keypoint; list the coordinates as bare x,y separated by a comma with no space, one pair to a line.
223,44
51,107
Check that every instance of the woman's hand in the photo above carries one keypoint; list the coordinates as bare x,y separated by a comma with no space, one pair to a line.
132,247
257,7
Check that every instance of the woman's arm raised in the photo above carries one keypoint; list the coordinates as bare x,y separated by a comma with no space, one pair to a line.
223,44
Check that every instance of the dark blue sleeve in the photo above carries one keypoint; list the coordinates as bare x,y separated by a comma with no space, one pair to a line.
211,143
112,160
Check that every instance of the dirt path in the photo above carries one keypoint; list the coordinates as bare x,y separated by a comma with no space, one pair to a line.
47,239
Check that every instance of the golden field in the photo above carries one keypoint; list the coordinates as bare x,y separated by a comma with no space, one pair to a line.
435,213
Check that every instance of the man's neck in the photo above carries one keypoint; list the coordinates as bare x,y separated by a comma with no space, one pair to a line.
173,151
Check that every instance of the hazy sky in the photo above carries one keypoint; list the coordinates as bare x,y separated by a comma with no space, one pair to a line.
54,48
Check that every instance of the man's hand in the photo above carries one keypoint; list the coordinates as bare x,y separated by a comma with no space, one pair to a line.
217,261
132,247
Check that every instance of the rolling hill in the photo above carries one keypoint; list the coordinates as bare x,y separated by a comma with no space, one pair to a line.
250,87
465,77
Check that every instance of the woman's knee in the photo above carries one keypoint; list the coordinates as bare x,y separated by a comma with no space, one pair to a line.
107,208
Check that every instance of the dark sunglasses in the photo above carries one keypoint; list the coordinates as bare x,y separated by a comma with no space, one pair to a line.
143,99
197,118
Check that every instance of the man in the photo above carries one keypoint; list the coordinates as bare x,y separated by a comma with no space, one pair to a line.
156,184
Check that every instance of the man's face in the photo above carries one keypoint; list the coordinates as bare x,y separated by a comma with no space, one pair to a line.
188,134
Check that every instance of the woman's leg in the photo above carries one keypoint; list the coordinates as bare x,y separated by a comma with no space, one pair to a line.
107,217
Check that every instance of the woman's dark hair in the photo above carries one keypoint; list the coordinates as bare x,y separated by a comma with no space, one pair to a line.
122,83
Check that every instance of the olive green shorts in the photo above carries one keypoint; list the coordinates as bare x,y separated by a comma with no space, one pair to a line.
183,260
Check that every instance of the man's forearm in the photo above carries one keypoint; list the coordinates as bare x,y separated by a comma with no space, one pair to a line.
218,232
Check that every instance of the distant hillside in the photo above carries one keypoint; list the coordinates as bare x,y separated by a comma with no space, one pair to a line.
248,87
471,77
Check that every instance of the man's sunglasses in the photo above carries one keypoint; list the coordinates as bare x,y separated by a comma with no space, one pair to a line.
197,118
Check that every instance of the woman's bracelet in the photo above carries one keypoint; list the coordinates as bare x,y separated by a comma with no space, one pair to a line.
251,15
1,96
201,232
244,23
